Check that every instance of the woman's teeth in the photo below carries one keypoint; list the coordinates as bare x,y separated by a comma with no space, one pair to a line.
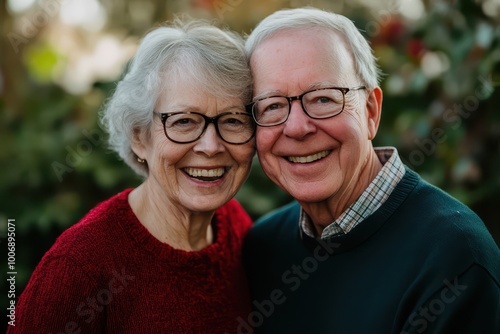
205,174
309,158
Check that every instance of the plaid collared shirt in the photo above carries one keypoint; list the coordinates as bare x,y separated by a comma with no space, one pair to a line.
370,200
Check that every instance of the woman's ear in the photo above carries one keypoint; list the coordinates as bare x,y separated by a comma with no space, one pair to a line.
138,144
374,109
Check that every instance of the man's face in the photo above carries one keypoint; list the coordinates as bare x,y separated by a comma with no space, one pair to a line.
314,160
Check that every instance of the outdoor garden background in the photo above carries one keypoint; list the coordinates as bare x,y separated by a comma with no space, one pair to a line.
60,59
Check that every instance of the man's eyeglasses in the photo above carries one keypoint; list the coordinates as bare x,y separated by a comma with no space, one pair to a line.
318,104
187,127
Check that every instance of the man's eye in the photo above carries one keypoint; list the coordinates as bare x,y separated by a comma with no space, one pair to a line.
328,96
272,107
275,106
324,99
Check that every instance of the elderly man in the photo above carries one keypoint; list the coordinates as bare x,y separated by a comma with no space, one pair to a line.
368,246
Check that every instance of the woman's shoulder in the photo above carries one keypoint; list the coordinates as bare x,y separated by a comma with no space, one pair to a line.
233,216
97,232
233,210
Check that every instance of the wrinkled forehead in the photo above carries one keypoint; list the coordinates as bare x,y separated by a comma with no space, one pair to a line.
193,78
331,41
193,90
301,57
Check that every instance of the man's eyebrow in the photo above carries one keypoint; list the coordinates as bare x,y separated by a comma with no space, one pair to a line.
317,85
266,94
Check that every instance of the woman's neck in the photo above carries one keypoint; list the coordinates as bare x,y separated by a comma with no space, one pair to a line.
170,223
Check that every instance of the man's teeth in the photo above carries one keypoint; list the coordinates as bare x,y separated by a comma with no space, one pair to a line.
195,172
309,158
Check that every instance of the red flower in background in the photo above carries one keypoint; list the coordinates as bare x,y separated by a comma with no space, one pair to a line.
391,31
203,4
415,49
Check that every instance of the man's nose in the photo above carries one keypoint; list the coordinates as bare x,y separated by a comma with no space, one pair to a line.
298,124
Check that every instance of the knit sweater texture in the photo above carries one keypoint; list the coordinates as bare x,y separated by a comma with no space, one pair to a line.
422,263
108,274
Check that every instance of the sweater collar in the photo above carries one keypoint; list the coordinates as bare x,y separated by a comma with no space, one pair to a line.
144,241
368,202
370,225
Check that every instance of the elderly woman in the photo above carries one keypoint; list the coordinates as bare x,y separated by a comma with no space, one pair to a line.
164,257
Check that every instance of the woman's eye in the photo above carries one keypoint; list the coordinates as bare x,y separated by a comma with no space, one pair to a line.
238,121
183,121
233,121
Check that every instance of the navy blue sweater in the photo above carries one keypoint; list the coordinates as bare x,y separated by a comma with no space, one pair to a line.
422,263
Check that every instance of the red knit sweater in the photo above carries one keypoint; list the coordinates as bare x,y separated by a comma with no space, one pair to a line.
108,274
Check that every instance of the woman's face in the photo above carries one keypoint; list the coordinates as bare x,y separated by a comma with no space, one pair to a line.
203,175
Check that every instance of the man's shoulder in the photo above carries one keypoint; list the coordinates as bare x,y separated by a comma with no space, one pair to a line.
270,238
285,215
446,229
280,224
432,201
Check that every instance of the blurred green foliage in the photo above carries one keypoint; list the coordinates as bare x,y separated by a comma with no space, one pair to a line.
441,98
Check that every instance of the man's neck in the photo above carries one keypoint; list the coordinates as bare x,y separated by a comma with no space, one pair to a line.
325,212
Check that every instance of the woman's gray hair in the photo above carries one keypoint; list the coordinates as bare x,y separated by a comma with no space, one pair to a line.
195,49
308,17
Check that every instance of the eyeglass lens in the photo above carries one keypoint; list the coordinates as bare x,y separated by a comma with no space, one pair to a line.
234,127
322,103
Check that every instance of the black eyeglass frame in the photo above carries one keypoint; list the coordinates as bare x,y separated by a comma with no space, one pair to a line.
208,120
250,107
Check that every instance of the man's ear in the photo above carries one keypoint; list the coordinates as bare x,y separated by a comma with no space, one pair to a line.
374,111
138,144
